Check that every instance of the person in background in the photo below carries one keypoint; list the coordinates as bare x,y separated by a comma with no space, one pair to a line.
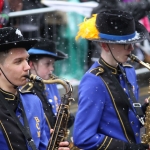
30,24
42,59
4,10
108,91
137,9
22,120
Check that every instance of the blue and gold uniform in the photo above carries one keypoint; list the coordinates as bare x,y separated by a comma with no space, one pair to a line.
106,125
48,94
53,100
109,116
53,96
50,98
36,122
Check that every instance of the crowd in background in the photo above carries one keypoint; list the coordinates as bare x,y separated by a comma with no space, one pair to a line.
61,27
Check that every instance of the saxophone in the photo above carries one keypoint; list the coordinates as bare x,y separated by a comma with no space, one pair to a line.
60,132
146,136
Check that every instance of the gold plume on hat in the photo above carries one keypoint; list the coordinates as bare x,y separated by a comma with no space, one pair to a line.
87,29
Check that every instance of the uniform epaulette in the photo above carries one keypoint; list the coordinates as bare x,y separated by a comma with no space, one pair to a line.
97,71
127,65
27,88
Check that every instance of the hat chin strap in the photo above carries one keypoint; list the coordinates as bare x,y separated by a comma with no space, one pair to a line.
114,56
15,86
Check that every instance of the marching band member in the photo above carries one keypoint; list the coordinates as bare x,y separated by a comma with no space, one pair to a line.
108,92
22,120
42,58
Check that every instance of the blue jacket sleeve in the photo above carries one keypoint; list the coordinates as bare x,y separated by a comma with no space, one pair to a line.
89,113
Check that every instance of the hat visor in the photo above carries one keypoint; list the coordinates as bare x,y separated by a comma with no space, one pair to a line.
142,35
59,56
27,44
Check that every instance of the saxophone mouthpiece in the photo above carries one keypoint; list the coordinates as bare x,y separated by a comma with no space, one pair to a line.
35,78
27,76
129,55
134,58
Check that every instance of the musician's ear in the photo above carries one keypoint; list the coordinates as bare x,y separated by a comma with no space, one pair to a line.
31,64
105,46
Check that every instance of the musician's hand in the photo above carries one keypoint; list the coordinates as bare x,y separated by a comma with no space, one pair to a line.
147,100
64,146
146,103
51,131
149,148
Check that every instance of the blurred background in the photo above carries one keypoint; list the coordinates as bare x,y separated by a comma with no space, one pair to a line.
59,20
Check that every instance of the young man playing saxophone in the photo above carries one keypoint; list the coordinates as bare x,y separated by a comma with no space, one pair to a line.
22,120
108,92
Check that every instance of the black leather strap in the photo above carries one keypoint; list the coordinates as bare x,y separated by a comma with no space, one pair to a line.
138,111
46,105
25,129
137,106
119,99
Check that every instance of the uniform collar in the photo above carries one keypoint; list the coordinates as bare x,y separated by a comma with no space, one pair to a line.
113,69
8,95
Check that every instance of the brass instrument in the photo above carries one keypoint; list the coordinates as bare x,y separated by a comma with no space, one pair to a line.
134,58
60,132
51,80
146,136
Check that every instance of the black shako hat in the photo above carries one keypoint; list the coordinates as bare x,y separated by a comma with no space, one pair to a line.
47,47
117,26
11,37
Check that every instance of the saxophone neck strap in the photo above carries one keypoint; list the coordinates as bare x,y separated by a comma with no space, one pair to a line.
137,106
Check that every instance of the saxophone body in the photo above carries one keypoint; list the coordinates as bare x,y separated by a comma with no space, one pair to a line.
146,135
60,132
60,129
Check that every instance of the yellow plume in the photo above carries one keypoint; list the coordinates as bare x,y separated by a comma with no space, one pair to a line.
87,29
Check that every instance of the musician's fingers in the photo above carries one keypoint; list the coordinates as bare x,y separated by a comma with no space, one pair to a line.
146,100
65,143
51,131
63,148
